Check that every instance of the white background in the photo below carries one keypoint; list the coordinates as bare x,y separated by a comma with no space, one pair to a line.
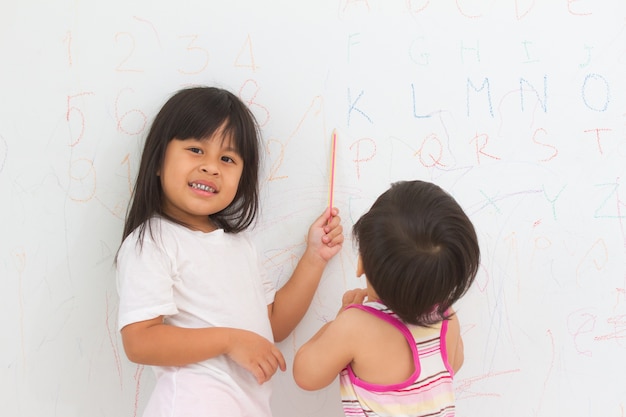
516,107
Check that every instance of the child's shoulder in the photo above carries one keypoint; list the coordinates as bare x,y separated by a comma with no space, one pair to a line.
361,314
155,232
375,308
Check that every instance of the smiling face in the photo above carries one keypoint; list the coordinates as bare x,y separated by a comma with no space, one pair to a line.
199,177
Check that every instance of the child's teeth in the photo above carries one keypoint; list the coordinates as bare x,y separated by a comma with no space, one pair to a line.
203,187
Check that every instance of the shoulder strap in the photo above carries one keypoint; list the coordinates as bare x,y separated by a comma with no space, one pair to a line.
390,318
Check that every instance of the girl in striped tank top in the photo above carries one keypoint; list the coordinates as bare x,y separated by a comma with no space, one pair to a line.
396,344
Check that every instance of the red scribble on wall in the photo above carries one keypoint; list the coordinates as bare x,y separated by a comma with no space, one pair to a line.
597,254
128,39
282,259
555,150
482,286
481,141
137,377
359,158
193,48
277,163
597,132
314,109
417,9
151,25
581,323
248,93
73,109
114,349
571,11
621,293
430,151
619,329
121,117
82,174
519,14
464,386
68,40
246,48
474,16
549,372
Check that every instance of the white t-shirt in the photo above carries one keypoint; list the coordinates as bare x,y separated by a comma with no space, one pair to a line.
195,280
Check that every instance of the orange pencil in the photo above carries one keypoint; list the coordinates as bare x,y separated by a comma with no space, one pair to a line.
333,153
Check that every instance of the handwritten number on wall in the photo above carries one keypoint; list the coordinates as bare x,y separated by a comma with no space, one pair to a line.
196,50
128,41
125,119
245,57
248,94
277,162
83,180
75,118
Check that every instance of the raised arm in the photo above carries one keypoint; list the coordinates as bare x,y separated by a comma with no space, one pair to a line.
324,240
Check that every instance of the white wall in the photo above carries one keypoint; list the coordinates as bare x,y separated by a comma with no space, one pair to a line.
515,107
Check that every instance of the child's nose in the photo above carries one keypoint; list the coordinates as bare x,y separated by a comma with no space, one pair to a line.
209,167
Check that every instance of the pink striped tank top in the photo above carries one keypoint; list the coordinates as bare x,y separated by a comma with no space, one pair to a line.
428,392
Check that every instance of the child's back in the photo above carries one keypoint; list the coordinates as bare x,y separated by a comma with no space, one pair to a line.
397,353
402,370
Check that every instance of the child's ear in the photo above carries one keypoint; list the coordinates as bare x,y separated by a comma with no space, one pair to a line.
359,267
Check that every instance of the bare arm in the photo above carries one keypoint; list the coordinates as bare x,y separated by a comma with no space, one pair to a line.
454,343
318,362
152,342
292,301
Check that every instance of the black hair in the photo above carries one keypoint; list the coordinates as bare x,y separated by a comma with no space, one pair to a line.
197,113
419,251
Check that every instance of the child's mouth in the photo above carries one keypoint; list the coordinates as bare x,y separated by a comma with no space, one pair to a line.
203,187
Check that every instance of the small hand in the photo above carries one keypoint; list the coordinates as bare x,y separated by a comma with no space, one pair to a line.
354,296
256,354
326,234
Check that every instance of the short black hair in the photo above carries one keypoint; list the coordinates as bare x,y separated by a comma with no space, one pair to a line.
419,250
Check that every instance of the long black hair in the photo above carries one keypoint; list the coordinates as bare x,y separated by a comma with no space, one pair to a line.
197,113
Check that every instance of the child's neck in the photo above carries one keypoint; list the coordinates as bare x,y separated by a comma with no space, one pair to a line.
207,227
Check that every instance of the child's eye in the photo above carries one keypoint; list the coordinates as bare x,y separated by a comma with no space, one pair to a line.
195,150
228,159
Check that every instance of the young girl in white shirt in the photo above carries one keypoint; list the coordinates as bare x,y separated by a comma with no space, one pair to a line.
194,303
